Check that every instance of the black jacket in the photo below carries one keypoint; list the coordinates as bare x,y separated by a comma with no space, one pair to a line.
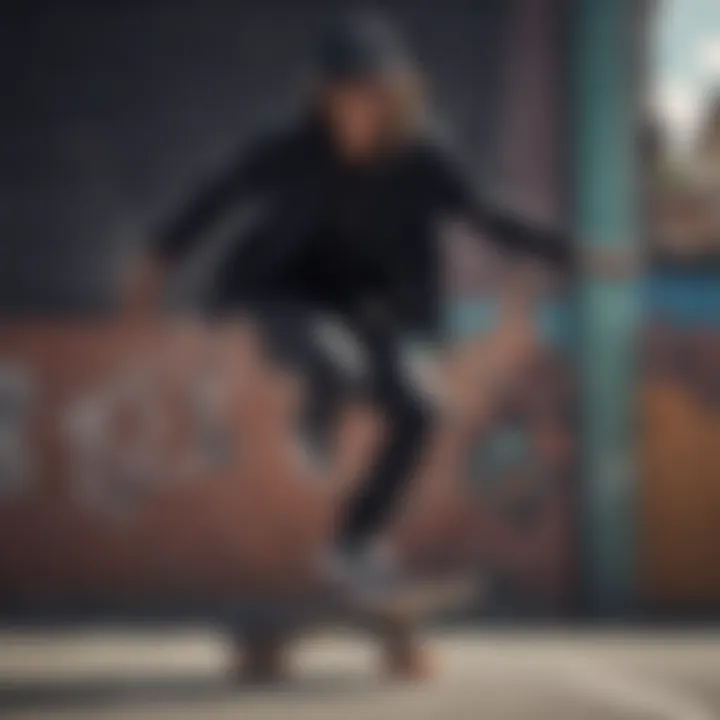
335,235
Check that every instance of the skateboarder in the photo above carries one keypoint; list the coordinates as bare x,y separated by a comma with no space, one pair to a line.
340,260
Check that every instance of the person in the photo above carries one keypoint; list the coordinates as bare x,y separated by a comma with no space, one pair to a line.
342,259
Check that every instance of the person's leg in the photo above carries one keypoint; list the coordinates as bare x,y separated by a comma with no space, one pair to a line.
339,360
335,370
327,357
408,412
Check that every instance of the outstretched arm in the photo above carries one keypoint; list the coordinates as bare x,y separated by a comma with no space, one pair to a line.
520,235
509,230
217,200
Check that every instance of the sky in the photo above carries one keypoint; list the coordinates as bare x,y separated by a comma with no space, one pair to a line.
687,65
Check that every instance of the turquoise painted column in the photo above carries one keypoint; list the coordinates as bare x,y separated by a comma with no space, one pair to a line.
606,225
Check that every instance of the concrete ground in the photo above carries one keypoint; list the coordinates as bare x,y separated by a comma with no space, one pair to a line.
480,674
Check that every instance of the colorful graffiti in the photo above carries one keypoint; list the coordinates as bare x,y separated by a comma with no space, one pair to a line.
166,467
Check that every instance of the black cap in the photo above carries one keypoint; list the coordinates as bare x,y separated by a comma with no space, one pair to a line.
358,46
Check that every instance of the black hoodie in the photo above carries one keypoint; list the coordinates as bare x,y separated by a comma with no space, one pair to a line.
336,235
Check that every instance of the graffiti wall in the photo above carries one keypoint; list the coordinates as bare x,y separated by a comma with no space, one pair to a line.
163,465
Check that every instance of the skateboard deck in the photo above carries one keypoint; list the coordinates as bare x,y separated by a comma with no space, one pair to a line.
395,625
420,600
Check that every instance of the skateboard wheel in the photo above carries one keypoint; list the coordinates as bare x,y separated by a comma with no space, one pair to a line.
408,659
262,659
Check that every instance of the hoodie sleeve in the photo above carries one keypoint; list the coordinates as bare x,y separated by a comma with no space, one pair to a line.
241,182
455,195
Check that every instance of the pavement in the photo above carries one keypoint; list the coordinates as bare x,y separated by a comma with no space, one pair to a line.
480,674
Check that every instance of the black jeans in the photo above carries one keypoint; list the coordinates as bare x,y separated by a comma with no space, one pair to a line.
341,357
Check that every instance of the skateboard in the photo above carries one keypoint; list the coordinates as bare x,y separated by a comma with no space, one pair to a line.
262,653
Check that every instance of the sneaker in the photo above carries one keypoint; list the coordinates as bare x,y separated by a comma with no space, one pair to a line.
369,577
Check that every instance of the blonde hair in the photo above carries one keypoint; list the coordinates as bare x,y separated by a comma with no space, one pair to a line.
406,98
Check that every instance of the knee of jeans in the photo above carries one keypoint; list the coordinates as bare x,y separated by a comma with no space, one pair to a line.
414,415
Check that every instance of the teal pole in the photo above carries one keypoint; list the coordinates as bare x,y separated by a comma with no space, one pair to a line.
606,208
